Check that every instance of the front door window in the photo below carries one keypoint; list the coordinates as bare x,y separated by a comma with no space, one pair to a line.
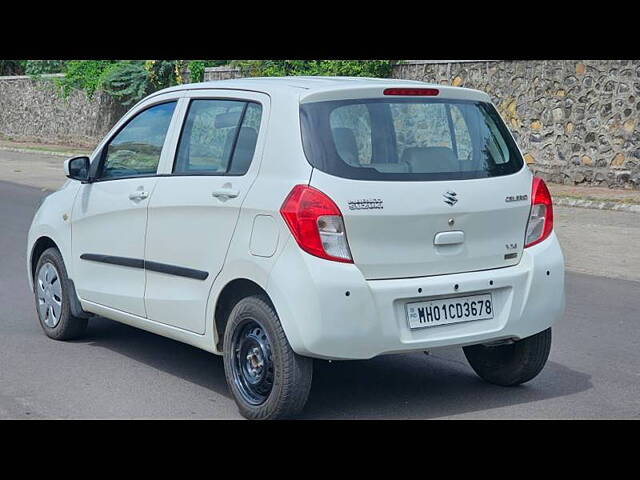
135,150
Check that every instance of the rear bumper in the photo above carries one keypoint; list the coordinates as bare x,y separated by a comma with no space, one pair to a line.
322,320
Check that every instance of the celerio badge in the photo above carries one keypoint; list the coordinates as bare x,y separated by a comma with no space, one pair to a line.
516,198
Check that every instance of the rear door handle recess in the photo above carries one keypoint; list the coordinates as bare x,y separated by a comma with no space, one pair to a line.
449,238
139,195
225,193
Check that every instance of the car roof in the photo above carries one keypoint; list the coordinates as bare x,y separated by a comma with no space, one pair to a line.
299,86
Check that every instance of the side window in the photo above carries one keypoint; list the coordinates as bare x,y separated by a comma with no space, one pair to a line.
247,138
135,150
218,137
351,131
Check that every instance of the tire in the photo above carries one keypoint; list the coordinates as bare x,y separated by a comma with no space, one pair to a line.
513,364
52,303
267,378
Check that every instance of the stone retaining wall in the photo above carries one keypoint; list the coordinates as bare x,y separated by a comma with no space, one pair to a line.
576,121
31,109
223,72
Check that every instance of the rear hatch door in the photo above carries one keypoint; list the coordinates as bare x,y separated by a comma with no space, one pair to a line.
427,185
412,229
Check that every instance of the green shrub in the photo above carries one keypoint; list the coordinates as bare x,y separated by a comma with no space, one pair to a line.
39,67
85,75
354,68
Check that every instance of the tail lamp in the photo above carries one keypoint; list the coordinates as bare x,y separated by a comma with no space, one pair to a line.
316,224
540,222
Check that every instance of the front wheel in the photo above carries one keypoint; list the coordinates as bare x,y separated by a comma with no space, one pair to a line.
51,290
267,378
513,364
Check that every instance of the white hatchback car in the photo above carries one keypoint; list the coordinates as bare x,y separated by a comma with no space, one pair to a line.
277,220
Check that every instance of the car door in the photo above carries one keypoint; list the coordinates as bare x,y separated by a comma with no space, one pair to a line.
195,206
109,216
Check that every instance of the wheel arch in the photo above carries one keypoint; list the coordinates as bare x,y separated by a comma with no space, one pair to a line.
39,246
234,291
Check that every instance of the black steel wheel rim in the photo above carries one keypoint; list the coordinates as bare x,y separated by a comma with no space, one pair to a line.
252,363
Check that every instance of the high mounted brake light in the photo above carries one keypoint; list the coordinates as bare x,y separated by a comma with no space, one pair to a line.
316,223
428,92
540,222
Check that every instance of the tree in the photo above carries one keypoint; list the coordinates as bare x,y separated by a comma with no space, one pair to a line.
12,67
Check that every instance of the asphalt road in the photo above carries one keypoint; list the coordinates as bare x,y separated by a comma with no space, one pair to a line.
118,371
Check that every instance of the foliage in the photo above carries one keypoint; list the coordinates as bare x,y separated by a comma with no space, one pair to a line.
355,68
164,73
126,82
12,67
38,67
85,75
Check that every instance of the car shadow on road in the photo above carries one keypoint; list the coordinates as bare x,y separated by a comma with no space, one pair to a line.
175,358
411,386
417,386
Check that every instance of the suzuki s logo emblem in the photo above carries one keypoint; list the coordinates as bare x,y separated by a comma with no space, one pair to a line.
450,198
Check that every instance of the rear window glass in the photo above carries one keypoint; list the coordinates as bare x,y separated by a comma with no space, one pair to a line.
408,139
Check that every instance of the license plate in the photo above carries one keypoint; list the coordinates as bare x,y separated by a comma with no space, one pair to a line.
445,311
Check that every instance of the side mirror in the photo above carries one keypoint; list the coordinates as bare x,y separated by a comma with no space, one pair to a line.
77,168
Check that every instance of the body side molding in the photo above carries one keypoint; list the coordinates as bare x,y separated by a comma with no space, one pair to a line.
147,265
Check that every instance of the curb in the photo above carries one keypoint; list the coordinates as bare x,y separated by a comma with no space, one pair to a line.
42,152
596,204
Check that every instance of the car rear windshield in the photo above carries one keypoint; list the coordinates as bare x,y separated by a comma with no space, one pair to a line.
408,139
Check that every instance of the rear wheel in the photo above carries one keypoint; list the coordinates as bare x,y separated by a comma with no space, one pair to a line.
512,364
50,287
267,378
